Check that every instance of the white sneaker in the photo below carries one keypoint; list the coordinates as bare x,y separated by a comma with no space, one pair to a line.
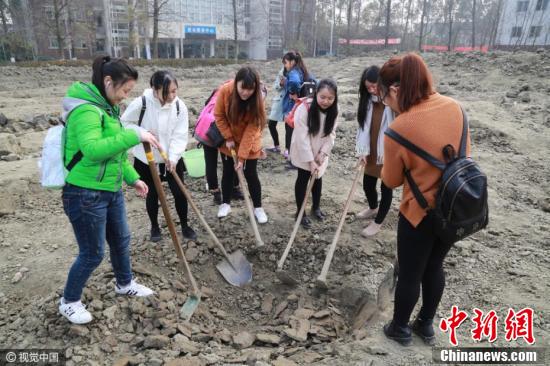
260,215
75,312
372,229
368,213
224,210
134,289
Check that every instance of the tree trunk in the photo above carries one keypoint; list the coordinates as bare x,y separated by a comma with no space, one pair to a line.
450,20
421,36
474,24
405,31
70,32
3,17
58,34
132,27
388,19
235,30
358,17
348,35
300,19
156,11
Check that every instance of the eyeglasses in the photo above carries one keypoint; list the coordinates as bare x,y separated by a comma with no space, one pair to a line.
385,91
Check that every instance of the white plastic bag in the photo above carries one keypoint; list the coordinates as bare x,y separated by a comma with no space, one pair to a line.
53,171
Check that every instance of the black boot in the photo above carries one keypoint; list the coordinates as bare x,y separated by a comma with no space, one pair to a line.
155,234
305,222
318,214
401,335
217,196
425,330
188,233
237,193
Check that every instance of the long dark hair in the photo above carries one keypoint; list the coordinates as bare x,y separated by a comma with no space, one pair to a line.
313,117
297,57
161,80
370,74
253,105
117,68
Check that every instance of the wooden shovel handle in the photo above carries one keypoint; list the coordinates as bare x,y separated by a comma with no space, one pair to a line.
328,259
195,208
240,175
297,223
168,217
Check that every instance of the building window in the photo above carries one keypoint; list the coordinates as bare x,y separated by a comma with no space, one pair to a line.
53,43
522,6
99,21
79,43
534,32
541,5
516,31
100,45
247,27
49,12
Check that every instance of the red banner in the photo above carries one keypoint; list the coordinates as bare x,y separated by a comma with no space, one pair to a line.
369,42
428,47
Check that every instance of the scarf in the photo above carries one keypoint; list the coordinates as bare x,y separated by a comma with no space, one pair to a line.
362,146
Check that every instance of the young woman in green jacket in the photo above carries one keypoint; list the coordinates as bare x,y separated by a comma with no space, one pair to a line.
95,156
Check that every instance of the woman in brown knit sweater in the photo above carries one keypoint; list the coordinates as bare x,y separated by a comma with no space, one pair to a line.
373,118
430,121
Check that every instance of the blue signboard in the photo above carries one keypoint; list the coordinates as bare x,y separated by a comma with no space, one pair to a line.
200,30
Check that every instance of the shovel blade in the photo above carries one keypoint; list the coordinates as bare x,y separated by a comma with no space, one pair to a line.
238,272
191,304
286,277
387,288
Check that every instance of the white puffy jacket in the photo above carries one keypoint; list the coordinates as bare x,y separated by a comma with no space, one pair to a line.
163,121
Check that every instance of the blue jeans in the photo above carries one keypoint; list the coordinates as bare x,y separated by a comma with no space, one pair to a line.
96,216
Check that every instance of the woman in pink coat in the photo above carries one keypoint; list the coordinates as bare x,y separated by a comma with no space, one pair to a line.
312,141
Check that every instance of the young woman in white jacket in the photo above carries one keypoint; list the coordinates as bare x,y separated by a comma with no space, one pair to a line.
167,118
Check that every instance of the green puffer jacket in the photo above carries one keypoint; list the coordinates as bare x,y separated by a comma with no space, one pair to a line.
93,127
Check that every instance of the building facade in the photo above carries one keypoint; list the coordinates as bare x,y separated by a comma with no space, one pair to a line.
524,23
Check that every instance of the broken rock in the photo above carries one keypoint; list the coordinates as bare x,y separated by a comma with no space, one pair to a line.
243,340
300,331
156,341
268,338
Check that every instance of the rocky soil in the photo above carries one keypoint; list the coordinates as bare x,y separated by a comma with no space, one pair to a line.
267,323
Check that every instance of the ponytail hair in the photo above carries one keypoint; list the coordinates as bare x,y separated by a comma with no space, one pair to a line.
161,80
297,57
370,74
411,74
118,69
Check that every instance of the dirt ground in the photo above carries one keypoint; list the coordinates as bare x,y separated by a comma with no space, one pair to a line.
507,97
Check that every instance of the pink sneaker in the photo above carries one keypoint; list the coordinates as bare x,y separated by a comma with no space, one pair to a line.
371,230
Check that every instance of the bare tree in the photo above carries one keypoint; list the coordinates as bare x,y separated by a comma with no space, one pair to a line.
235,30
388,19
450,7
422,20
3,16
405,31
303,4
474,24
157,7
348,35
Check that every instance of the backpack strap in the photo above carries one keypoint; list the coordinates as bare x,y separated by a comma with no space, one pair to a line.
416,191
177,108
464,138
415,149
143,108
78,155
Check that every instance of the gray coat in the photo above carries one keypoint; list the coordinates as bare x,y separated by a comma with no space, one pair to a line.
276,113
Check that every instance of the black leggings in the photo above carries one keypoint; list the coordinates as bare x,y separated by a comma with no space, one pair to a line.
251,175
152,200
275,135
369,186
273,131
211,163
420,256
300,189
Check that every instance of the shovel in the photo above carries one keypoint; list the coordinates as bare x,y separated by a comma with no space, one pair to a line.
321,282
282,275
259,242
192,301
234,268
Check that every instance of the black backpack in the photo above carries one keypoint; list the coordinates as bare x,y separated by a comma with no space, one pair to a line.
461,207
307,89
